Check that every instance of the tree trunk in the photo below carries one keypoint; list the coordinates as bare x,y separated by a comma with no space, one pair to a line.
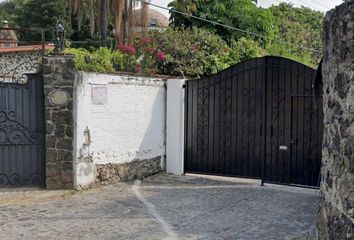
126,17
144,17
92,17
103,22
118,17
98,21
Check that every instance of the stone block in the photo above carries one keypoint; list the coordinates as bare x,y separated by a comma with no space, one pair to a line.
49,127
66,144
69,132
64,155
48,114
60,131
51,155
62,117
51,141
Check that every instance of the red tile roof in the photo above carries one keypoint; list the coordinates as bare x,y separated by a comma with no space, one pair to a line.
27,48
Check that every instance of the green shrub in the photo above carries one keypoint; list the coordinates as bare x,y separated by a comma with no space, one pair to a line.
102,60
244,49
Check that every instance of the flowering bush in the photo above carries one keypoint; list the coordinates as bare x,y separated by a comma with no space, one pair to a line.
127,49
180,52
189,53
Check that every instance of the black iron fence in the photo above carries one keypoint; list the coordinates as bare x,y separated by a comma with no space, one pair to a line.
18,56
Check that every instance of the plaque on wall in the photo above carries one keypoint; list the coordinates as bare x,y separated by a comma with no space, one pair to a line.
99,94
59,97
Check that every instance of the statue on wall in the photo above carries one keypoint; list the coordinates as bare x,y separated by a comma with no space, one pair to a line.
59,36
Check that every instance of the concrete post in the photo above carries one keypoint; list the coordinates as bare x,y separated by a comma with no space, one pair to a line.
175,126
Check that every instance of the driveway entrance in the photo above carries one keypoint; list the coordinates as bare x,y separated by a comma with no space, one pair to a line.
163,207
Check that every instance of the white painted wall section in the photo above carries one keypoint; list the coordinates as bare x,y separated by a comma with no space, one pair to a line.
118,119
175,126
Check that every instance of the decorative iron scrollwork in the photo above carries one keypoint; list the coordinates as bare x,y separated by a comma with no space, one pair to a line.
4,180
15,179
277,130
18,74
14,133
202,124
225,120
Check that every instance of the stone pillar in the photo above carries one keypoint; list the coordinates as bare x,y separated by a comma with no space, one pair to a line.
59,75
336,213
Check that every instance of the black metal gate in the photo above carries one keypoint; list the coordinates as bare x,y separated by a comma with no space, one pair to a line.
258,119
22,131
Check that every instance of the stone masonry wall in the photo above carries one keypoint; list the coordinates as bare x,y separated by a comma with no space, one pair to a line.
59,76
138,169
336,214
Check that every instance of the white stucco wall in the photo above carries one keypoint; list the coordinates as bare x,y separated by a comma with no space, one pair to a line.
117,119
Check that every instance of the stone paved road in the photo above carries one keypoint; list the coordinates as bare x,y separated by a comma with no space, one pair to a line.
161,207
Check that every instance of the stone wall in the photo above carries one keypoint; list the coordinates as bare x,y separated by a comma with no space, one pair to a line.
14,64
336,214
137,169
120,128
59,77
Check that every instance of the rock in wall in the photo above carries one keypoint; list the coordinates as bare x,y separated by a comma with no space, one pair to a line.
336,213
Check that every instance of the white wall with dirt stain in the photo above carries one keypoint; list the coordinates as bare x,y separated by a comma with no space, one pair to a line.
117,119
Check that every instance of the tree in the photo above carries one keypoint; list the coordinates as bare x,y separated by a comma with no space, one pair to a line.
244,49
104,12
243,14
288,31
8,11
184,6
300,27
40,14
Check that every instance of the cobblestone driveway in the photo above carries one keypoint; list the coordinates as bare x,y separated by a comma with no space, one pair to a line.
161,207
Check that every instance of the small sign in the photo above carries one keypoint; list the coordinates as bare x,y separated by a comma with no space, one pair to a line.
99,94
284,148
58,97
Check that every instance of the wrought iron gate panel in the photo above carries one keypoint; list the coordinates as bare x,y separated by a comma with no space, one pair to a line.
22,133
251,120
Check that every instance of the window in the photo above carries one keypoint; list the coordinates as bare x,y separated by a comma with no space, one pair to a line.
153,22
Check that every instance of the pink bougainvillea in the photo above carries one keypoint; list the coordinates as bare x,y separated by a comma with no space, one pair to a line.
128,49
146,40
160,55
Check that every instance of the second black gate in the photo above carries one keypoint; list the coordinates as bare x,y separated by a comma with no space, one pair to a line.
22,130
259,119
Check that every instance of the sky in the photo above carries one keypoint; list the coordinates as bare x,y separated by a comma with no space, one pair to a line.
321,5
